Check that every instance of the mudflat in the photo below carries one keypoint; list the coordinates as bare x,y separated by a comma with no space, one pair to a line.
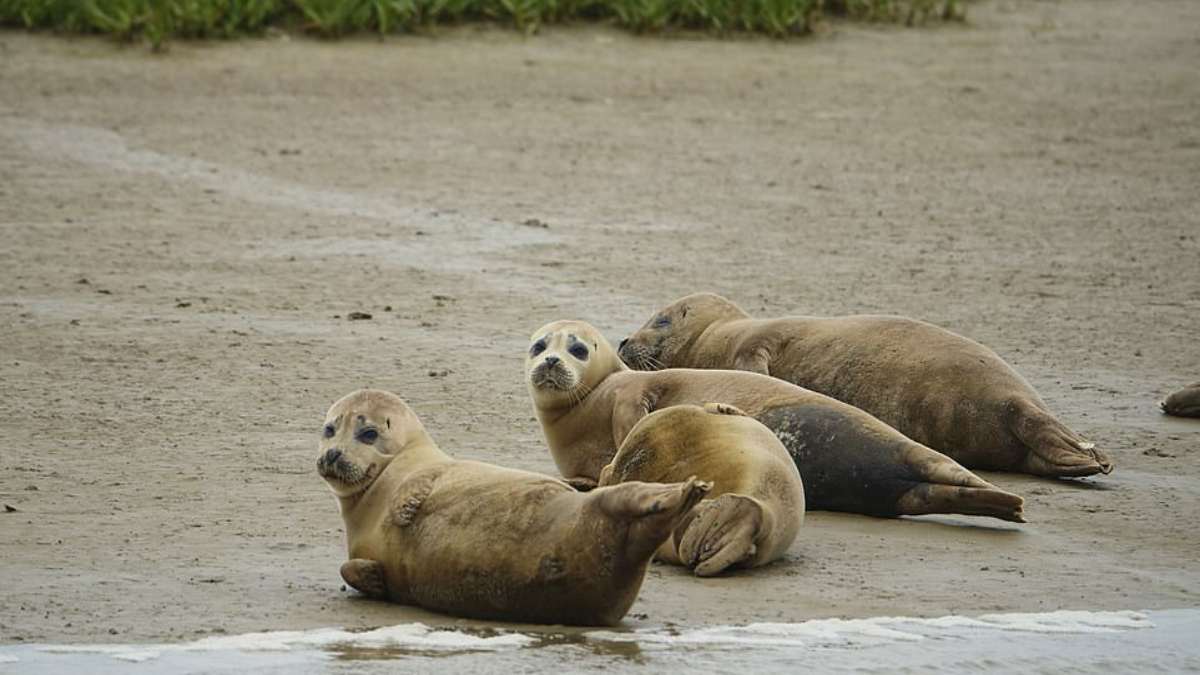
187,236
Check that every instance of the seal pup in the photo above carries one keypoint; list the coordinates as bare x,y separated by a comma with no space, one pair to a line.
478,540
756,506
938,388
587,401
1183,403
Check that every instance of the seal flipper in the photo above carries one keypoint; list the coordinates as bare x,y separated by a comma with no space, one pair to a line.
850,461
365,576
722,533
951,488
1054,450
653,510
581,483
928,498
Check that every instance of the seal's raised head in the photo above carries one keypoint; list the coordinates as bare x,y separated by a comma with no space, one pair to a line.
1183,403
566,360
363,432
666,337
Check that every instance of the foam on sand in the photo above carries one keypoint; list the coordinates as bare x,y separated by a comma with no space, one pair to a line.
885,630
1069,636
414,636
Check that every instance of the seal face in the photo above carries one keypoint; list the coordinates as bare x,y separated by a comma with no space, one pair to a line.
482,541
666,338
566,360
936,387
1183,403
358,440
849,460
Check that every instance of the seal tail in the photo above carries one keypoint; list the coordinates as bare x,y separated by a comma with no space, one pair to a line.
722,533
1054,450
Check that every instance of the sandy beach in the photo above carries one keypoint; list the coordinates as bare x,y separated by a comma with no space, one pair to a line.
185,236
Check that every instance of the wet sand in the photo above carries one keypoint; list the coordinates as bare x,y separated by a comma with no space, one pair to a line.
185,236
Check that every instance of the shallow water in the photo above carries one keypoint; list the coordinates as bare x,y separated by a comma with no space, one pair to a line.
1059,642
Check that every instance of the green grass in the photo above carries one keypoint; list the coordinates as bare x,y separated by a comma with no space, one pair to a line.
158,20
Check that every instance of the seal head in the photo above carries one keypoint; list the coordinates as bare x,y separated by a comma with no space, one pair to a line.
1183,403
566,360
668,335
363,432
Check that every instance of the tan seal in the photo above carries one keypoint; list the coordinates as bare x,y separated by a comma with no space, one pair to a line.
938,388
1183,403
481,541
587,401
756,506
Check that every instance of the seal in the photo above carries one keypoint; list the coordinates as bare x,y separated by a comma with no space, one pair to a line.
938,388
587,401
756,506
481,541
1183,403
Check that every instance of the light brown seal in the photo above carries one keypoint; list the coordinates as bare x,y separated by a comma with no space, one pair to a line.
756,506
481,541
938,388
1183,403
587,401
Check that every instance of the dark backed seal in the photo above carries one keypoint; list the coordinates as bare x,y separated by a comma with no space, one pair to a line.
587,401
756,506
1183,403
481,541
938,388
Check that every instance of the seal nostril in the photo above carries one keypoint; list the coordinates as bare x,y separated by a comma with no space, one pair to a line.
622,345
332,455
552,361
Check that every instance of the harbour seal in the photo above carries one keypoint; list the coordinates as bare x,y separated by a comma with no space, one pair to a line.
587,401
756,506
1183,403
938,388
482,541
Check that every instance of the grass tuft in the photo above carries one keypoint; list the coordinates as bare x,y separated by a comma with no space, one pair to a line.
158,20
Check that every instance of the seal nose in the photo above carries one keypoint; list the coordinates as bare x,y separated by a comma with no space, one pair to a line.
331,457
622,345
552,361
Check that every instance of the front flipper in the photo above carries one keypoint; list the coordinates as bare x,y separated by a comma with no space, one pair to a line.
581,483
723,409
365,576
756,359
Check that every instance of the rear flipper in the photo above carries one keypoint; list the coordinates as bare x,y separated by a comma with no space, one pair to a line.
929,498
1055,450
722,533
365,576
655,509
852,462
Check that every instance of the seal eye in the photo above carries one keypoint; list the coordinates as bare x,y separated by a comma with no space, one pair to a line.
662,321
329,431
368,436
579,351
537,348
